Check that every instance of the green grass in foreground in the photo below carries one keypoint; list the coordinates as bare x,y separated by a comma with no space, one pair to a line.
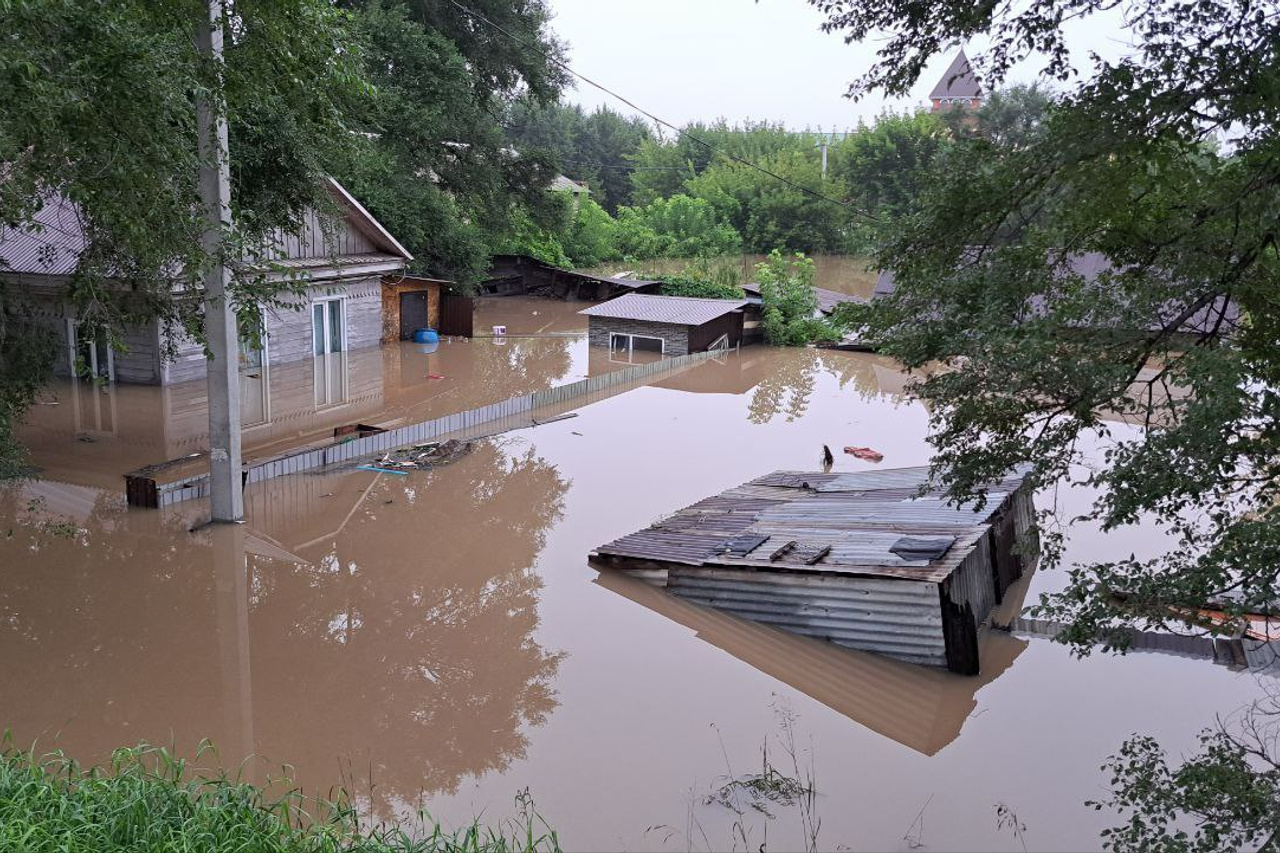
148,800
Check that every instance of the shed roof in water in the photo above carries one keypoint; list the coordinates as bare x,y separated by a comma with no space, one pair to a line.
679,310
859,516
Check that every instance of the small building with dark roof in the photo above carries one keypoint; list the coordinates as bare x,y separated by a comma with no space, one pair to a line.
957,88
664,325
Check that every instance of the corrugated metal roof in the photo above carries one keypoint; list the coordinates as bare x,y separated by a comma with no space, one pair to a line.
679,310
859,515
958,81
51,245
565,184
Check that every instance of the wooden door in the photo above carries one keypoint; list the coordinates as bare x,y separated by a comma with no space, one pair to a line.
456,315
413,313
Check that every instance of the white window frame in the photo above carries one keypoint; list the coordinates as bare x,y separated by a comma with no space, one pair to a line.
265,380
73,346
328,324
630,348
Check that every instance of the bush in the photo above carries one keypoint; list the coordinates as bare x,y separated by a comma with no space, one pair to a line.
151,801
684,285
791,316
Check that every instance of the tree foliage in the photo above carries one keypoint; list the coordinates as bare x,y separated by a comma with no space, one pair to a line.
396,98
1167,163
592,148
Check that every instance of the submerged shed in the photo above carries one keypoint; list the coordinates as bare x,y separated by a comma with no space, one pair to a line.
860,559
664,325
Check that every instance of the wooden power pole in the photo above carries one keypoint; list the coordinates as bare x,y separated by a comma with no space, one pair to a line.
226,488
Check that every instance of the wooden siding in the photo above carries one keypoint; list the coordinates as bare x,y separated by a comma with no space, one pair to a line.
319,236
701,337
289,332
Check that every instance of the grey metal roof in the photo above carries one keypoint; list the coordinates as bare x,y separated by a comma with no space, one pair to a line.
679,310
958,81
51,245
563,184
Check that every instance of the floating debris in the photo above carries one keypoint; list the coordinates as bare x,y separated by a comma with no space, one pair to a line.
423,456
865,453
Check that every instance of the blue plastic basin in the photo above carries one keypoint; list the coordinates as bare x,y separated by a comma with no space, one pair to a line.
426,336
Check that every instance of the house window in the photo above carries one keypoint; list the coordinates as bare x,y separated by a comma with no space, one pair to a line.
91,357
328,326
255,404
635,348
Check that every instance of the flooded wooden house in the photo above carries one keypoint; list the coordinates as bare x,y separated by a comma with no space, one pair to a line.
864,559
664,325
339,262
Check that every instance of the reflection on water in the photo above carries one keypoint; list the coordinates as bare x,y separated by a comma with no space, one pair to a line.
379,628
919,707
90,434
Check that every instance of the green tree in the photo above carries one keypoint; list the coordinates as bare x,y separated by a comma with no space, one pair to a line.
593,148
592,238
95,106
881,166
688,227
1177,334
434,163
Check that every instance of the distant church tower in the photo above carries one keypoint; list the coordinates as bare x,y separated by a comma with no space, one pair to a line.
958,87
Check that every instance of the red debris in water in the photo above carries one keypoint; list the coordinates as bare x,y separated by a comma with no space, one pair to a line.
865,453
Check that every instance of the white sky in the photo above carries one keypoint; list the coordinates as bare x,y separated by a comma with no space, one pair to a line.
702,59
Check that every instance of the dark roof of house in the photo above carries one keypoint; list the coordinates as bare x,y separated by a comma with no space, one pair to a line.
827,299
1092,265
620,281
958,81
679,310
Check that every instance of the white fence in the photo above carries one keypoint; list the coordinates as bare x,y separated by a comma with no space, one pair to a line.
486,420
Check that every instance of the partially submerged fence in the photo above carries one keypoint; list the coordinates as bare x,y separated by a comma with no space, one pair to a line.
144,488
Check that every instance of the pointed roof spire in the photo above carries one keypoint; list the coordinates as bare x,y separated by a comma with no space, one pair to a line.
958,81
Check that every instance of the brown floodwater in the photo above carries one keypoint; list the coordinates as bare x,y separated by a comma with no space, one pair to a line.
440,639
841,273
92,435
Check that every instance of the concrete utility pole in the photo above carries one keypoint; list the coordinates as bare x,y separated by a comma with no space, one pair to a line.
226,489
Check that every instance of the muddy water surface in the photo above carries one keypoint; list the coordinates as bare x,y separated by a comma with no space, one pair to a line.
440,638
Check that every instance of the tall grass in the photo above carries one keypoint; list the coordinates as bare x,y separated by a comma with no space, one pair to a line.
147,799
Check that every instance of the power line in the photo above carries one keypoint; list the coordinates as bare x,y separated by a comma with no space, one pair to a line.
562,64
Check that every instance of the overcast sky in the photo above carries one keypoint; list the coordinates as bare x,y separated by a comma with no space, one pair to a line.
702,59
